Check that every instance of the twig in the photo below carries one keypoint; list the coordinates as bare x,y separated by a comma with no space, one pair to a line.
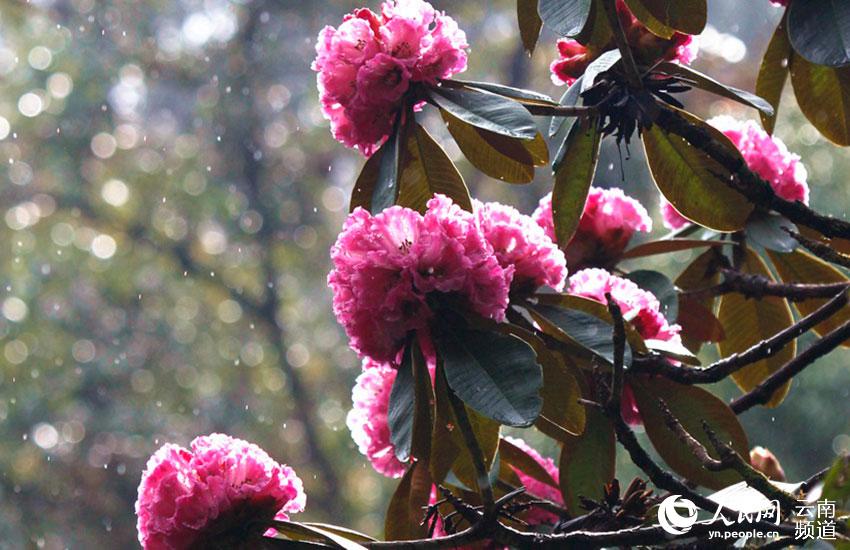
719,370
745,180
619,340
758,286
696,448
560,110
482,479
821,250
761,394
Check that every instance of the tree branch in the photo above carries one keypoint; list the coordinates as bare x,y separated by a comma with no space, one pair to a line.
762,393
757,286
821,250
719,370
745,180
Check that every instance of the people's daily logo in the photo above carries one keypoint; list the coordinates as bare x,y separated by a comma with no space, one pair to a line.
677,515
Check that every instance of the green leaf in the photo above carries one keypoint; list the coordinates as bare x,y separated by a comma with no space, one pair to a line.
529,97
525,463
802,267
836,484
662,287
573,176
401,407
495,374
692,181
596,34
562,414
587,462
820,31
361,195
426,170
708,84
587,330
486,110
404,514
691,406
673,350
599,66
387,183
773,73
566,17
687,16
337,537
767,229
747,322
498,156
664,246
570,99
529,23
823,94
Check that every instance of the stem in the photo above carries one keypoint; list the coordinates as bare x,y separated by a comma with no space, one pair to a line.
632,73
757,286
822,250
482,479
762,393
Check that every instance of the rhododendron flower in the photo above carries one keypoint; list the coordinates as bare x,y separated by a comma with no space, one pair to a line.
640,306
765,155
192,498
573,57
368,63
367,419
387,266
536,488
780,3
522,245
609,220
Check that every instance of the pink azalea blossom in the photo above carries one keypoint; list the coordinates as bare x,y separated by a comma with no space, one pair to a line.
640,306
190,498
765,155
780,3
536,488
367,65
522,245
387,265
573,59
367,420
607,224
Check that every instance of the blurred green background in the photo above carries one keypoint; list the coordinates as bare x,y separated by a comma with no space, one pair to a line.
169,192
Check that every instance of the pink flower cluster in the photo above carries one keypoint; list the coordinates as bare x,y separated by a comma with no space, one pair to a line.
780,3
608,222
641,307
367,419
765,155
522,245
574,57
192,498
368,63
387,265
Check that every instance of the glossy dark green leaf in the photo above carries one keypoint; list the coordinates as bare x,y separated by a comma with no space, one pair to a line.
596,34
501,157
495,374
425,170
574,173
590,332
773,73
599,66
687,16
570,99
529,23
520,94
674,350
387,182
486,110
691,406
664,246
820,31
662,287
587,462
708,84
823,94
566,17
692,181
361,195
768,230
401,407
404,514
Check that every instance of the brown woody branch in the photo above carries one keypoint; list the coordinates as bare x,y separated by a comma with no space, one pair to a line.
758,286
719,370
762,393
744,180
821,250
